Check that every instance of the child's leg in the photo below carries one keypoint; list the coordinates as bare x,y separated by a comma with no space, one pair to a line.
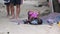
17,11
17,3
12,8
12,11
7,8
40,21
7,3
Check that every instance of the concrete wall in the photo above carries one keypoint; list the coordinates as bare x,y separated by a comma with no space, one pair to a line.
33,1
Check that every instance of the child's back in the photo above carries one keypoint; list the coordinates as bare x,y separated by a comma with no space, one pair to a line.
33,14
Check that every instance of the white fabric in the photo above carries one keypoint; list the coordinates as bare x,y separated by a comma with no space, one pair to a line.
7,1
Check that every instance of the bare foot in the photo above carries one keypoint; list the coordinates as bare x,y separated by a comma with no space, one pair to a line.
17,18
12,17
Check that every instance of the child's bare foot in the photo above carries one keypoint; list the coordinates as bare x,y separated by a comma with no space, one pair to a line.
17,17
12,17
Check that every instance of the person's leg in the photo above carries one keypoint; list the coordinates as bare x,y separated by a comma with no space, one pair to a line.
8,10
7,6
18,2
12,10
17,10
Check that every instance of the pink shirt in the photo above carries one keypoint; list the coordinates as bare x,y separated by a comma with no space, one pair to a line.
33,14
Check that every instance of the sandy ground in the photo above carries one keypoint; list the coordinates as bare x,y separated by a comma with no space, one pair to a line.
7,26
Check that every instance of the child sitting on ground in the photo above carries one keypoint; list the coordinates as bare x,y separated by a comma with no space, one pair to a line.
33,18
